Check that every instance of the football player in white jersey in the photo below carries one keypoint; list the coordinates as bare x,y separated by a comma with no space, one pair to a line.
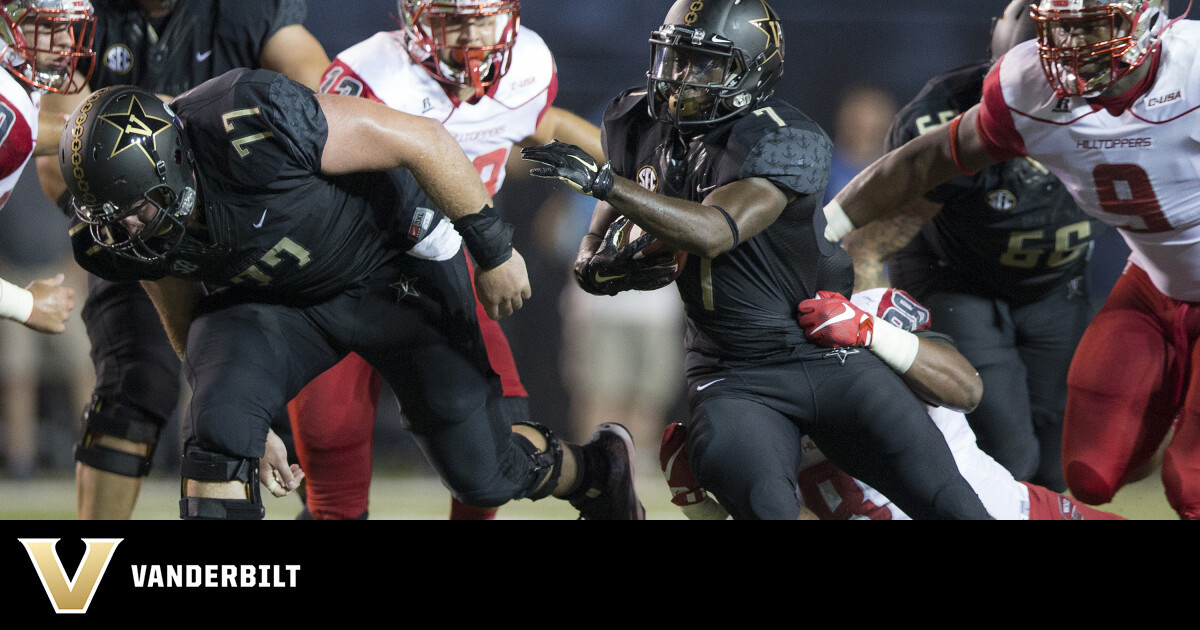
43,42
1106,98
939,374
491,82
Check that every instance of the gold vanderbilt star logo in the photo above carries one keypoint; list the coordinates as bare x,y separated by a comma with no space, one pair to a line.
773,29
137,128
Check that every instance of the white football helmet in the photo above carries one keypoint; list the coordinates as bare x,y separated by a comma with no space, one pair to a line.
464,43
1087,45
44,41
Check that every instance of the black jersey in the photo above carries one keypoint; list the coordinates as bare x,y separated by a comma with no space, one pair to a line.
1011,231
199,40
741,304
272,225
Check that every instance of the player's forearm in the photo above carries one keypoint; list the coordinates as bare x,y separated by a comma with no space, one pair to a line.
687,225
175,300
941,376
895,180
873,245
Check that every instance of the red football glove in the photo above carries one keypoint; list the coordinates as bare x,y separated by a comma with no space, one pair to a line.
832,321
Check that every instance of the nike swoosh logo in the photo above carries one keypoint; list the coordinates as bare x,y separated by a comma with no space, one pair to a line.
261,219
600,278
708,384
590,166
848,314
201,56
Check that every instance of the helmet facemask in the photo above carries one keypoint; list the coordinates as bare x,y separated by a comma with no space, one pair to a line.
148,230
45,40
690,85
463,43
1092,45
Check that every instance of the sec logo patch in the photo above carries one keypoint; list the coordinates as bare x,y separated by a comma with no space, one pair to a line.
118,58
647,178
1001,200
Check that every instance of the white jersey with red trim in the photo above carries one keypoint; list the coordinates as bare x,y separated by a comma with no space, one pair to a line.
835,495
380,68
18,131
1138,171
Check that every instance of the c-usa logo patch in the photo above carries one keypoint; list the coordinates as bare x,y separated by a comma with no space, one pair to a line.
118,58
647,178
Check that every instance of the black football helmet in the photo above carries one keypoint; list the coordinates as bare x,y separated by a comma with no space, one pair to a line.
124,154
713,60
1013,26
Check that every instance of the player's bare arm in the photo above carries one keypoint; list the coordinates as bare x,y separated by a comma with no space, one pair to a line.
560,124
942,376
175,299
730,214
907,172
436,160
294,51
874,244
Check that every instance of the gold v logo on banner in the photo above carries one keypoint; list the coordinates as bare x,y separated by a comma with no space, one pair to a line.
70,595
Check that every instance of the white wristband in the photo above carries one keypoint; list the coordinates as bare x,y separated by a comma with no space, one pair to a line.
895,346
15,303
838,225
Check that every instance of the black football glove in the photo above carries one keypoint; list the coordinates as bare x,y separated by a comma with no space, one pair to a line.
613,268
573,166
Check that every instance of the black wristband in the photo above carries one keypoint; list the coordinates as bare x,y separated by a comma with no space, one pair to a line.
487,237
732,224
603,183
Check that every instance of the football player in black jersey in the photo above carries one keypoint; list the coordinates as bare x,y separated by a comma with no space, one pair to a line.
1002,267
273,245
167,47
706,161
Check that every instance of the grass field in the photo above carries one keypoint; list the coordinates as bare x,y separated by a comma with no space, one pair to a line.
422,497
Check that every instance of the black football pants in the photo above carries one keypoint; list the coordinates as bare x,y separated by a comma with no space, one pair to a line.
747,419
413,321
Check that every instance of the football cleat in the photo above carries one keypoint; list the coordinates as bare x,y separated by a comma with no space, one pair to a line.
608,493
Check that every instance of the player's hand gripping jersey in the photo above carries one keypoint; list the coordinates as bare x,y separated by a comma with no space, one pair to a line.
1135,170
741,304
1010,231
381,69
301,237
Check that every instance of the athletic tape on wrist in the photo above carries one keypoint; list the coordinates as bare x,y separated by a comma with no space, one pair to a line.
838,225
15,303
487,237
895,346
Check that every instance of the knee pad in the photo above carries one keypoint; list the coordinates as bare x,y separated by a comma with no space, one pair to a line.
545,465
108,416
202,466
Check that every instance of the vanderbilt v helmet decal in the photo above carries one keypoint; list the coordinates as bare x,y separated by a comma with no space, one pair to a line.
70,595
137,128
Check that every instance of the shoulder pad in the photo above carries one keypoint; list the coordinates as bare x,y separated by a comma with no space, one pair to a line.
781,144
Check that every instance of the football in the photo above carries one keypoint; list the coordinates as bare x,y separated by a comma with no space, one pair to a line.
631,232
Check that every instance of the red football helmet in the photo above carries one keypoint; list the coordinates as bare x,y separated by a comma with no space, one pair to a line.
1087,45
464,43
44,41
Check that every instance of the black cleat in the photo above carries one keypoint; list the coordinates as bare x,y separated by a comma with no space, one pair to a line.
607,493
